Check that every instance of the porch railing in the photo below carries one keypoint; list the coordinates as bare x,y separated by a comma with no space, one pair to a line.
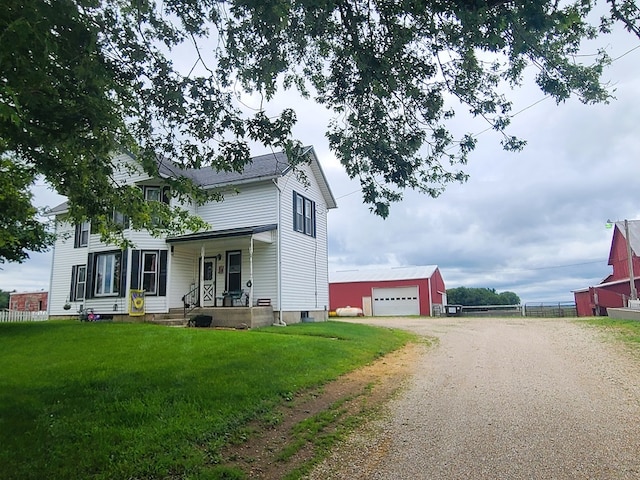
190,301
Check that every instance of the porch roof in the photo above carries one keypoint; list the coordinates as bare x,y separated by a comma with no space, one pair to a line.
230,232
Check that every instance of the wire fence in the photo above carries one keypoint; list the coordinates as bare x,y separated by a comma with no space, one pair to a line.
537,309
559,309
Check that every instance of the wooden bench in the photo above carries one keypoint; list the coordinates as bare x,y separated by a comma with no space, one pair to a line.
263,302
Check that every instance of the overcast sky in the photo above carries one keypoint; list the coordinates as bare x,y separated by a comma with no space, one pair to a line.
531,222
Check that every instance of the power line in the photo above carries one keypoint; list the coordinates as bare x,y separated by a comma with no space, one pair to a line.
522,269
565,266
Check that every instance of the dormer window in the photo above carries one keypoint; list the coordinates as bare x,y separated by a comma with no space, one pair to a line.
152,194
157,194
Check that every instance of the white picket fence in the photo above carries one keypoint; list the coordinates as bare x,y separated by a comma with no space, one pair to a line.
17,316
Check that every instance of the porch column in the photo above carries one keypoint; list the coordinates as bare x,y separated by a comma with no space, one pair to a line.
201,280
251,271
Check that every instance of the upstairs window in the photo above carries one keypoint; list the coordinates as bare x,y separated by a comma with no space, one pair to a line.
157,194
81,238
304,215
120,219
152,194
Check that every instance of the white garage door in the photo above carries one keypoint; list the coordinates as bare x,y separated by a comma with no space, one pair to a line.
396,301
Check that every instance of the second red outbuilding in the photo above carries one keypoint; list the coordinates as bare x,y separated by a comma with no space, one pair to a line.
389,292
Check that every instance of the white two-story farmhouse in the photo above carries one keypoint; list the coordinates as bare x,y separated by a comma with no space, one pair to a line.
265,251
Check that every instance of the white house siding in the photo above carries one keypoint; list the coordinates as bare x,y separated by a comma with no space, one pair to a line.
184,274
303,259
127,171
185,267
305,284
65,257
254,204
265,278
141,241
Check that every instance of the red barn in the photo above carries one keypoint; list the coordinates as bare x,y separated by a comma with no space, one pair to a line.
614,291
395,291
28,301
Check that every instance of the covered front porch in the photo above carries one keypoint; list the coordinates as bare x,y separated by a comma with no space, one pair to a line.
225,272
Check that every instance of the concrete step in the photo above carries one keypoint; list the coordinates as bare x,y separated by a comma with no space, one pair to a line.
169,322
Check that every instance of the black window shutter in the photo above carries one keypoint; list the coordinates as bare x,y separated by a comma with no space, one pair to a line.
135,269
76,239
123,273
91,282
295,211
162,280
72,293
165,195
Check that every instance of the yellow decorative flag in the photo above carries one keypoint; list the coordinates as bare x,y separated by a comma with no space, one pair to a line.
136,303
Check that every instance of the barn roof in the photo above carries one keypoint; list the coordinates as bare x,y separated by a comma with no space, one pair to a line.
387,274
634,234
619,236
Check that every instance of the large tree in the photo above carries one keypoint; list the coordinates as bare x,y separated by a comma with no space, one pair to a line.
82,79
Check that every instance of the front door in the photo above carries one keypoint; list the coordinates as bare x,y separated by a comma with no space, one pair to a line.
209,282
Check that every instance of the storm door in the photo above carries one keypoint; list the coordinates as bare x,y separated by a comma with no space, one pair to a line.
209,282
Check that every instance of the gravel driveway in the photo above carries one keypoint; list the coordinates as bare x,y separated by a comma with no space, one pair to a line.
504,399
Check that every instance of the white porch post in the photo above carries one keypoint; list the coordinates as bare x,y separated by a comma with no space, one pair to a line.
201,282
251,271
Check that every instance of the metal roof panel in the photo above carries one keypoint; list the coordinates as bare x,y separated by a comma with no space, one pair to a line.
380,275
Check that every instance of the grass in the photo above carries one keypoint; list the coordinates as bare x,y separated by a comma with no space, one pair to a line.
108,400
627,331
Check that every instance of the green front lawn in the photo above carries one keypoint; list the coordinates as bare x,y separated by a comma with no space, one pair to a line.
119,401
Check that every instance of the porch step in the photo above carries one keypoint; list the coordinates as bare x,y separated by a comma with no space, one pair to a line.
169,322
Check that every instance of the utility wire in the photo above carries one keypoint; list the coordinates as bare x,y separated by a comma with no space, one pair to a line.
546,97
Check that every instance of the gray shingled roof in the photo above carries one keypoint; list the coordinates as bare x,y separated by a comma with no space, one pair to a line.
62,208
271,165
262,167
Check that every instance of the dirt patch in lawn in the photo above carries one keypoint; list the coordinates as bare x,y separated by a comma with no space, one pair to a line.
304,429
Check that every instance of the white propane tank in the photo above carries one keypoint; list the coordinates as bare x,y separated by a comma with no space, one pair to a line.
349,312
